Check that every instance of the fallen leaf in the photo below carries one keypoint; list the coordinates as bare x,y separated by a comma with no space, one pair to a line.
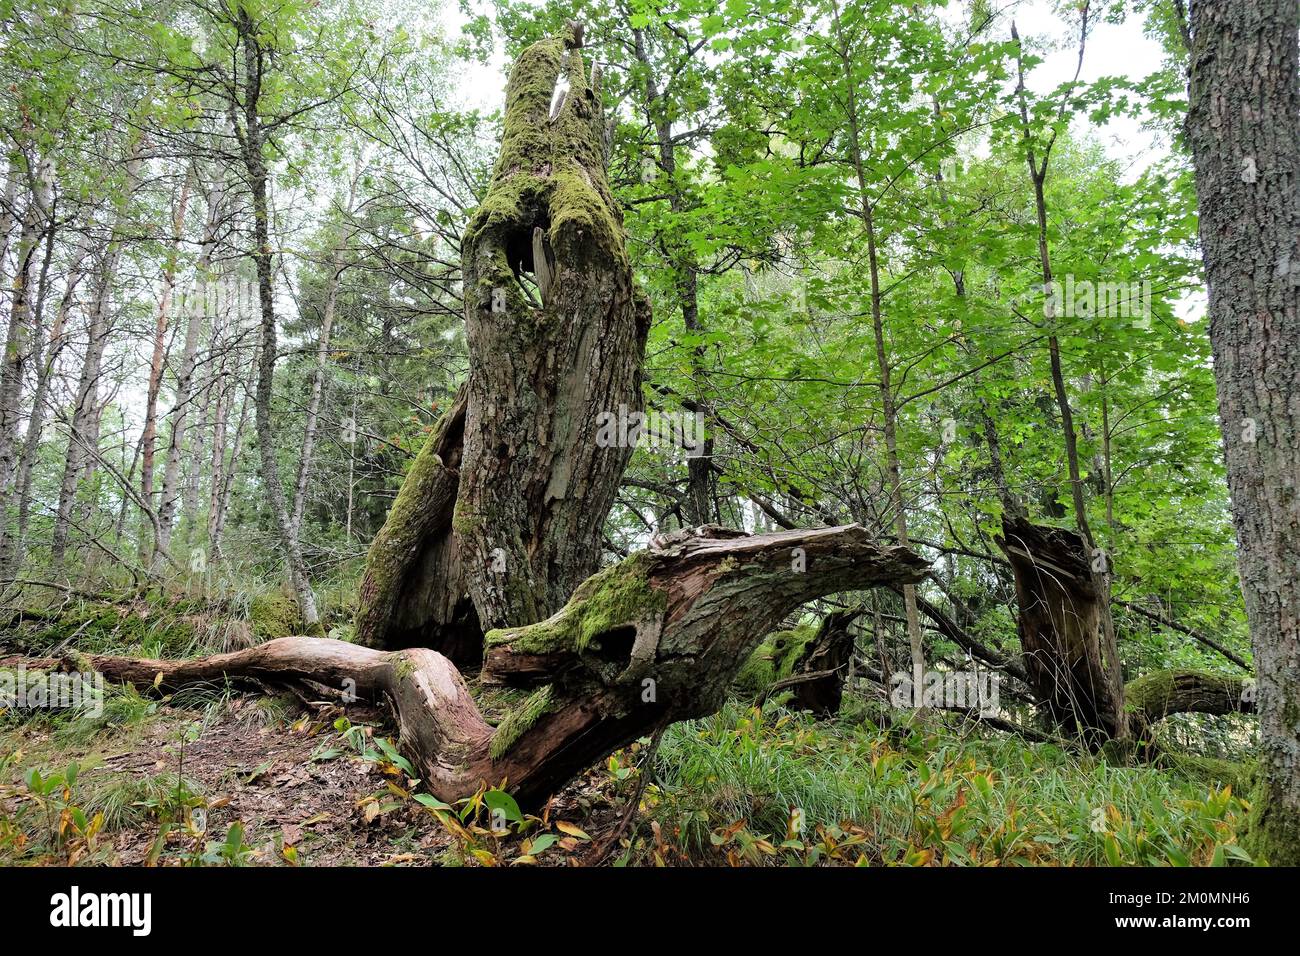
571,830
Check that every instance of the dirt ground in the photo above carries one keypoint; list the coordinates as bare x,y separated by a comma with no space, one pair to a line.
293,783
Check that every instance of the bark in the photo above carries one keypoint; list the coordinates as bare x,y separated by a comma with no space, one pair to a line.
525,468
83,424
12,545
414,590
8,207
17,337
148,437
1067,661
252,142
1244,128
654,639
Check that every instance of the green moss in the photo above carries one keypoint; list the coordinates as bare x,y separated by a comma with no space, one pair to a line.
464,524
517,722
774,659
111,629
403,667
553,165
615,597
273,615
1272,829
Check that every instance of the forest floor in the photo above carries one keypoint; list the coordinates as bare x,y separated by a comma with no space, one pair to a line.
278,770
247,775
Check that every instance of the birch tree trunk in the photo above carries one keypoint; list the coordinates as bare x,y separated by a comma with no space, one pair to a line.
83,425
252,142
17,337
196,315
148,437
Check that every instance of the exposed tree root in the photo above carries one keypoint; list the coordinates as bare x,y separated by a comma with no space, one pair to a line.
654,639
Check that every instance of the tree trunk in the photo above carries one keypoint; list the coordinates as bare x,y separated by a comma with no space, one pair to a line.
196,314
893,466
1072,670
1244,128
17,547
336,268
252,141
525,465
17,338
83,426
148,437
1070,615
699,504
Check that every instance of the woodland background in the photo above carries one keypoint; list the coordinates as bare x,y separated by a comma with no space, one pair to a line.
770,159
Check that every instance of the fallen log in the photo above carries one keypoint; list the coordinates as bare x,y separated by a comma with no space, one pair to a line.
653,639
1155,696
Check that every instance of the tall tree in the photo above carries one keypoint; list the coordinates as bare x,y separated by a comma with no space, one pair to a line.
1244,127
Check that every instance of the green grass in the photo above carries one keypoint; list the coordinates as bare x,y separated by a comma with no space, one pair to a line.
728,788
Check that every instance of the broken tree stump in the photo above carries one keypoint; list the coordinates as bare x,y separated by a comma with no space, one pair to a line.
1070,657
500,519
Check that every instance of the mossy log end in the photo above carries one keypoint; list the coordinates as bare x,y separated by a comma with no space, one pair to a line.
655,639
1153,697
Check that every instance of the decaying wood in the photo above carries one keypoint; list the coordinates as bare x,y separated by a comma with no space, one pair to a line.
501,519
1069,656
817,680
654,639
